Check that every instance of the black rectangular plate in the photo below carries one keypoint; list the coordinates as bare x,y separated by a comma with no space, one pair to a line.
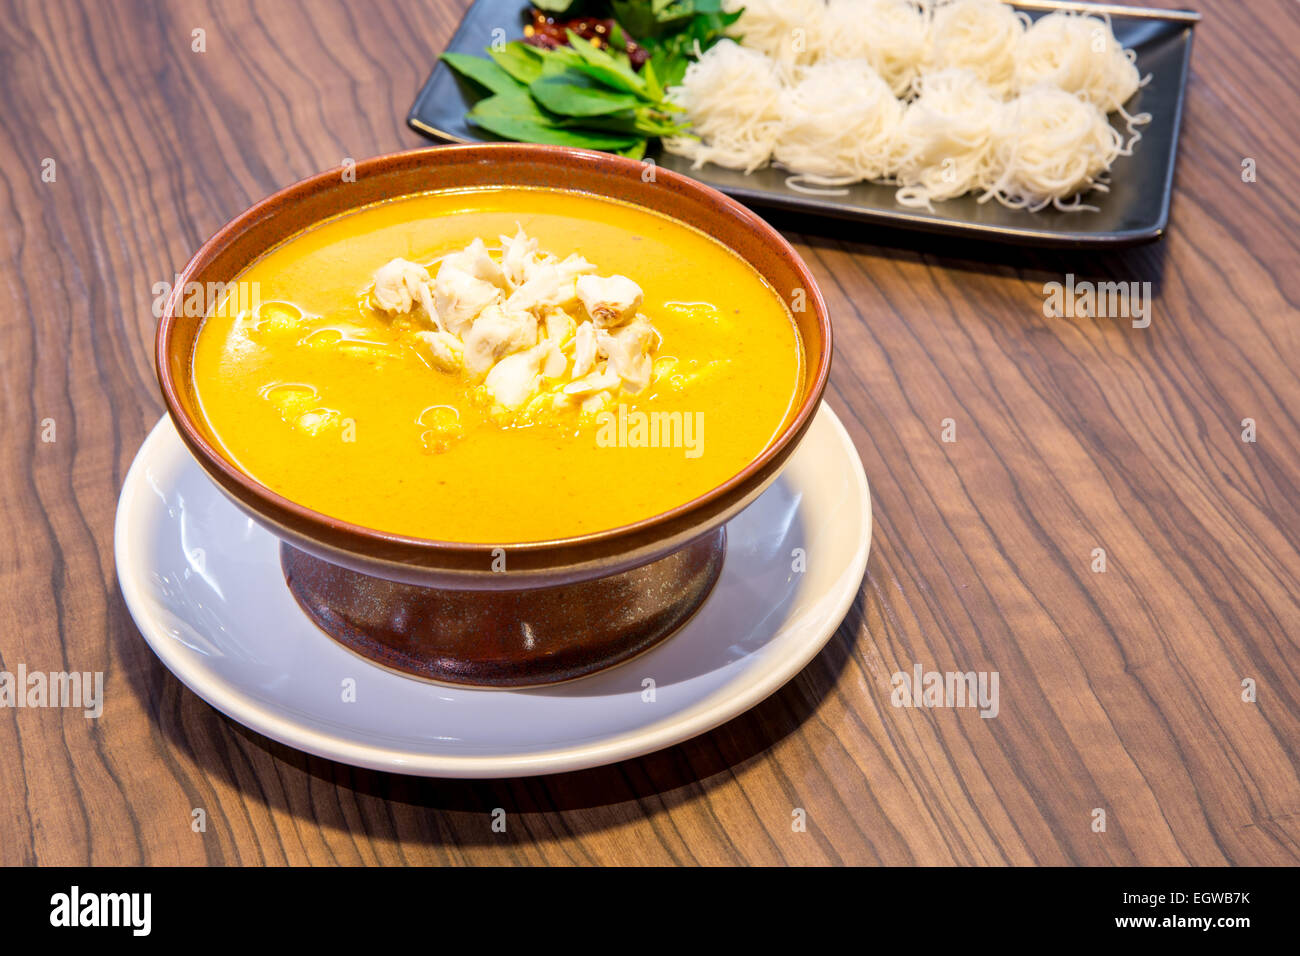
1135,210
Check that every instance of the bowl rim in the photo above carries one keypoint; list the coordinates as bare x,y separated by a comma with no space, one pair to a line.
577,159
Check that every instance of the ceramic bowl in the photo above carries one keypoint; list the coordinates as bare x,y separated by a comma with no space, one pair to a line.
674,555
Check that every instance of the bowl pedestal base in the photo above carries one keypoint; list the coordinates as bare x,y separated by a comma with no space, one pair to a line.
506,638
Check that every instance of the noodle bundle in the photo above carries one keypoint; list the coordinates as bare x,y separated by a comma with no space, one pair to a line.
732,95
980,35
892,35
946,137
839,123
1049,145
1078,54
789,31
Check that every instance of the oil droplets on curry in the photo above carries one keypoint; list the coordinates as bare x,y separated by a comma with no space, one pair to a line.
498,366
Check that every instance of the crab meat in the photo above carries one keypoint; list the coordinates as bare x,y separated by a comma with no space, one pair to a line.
609,301
549,285
590,384
425,295
516,378
518,253
559,327
496,332
544,287
584,349
487,309
399,284
444,351
556,363
629,352
459,296
573,266
475,260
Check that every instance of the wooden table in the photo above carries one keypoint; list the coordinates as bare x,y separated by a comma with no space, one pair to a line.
1120,691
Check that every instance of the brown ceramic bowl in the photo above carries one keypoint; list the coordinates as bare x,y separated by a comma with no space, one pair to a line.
323,551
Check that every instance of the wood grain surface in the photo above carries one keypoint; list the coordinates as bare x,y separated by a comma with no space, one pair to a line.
1120,691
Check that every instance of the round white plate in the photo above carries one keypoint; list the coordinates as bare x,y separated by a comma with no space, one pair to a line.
204,585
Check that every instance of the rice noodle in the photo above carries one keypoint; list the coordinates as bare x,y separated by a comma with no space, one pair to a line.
732,96
789,31
1079,54
945,139
839,122
892,35
1049,145
980,35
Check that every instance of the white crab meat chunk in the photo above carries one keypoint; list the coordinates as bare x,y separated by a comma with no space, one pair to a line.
475,260
399,284
556,363
517,378
425,295
609,301
459,296
444,351
560,327
590,384
543,287
550,284
629,349
496,332
518,254
584,349
573,266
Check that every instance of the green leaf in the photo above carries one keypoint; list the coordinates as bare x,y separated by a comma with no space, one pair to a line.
652,87
617,38
558,60
485,73
517,117
636,16
620,71
635,151
643,122
574,93
624,122
521,61
672,53
709,28
653,123
614,79
648,19
669,66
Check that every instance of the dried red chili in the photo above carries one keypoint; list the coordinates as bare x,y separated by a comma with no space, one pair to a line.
547,33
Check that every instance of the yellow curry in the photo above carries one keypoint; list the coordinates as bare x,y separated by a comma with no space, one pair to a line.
340,391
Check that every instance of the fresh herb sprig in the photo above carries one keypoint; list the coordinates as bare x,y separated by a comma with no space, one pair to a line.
590,96
577,95
673,30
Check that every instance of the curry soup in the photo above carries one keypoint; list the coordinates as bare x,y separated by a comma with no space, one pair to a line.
322,397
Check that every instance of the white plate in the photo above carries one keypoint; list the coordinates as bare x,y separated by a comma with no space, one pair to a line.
204,585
